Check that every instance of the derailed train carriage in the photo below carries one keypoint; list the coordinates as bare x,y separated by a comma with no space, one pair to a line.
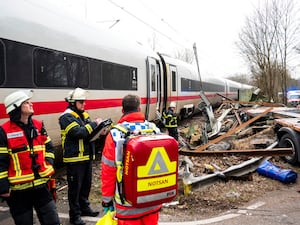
52,54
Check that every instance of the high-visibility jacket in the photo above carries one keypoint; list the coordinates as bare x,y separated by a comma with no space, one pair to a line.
75,131
27,165
170,118
109,172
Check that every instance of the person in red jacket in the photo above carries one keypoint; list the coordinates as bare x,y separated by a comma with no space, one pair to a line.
26,159
127,215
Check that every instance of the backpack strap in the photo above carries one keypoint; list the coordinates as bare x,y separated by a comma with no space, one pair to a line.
119,158
125,130
120,149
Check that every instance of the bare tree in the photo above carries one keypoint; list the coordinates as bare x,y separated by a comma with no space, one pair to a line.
266,41
186,55
287,38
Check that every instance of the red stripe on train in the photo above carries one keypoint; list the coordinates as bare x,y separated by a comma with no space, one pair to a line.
41,108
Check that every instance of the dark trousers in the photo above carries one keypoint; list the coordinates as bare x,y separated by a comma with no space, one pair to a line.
79,176
21,204
173,132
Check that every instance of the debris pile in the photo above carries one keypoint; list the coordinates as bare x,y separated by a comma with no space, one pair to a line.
228,133
226,178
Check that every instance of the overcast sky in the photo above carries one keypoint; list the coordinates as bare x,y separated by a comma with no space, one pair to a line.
213,25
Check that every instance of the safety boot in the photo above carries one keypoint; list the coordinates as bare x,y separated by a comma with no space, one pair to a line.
77,221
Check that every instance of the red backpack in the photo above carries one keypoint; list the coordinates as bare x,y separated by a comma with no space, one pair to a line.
148,168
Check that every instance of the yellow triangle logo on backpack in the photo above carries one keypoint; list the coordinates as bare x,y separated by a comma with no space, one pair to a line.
159,171
158,164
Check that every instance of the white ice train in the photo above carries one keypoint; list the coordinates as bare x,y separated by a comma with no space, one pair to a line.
52,54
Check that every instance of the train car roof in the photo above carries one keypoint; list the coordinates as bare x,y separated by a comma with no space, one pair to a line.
32,23
236,84
189,70
232,83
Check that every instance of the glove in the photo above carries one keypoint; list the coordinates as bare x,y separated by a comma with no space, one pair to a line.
108,206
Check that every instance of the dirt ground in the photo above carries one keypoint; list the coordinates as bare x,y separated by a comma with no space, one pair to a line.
222,196
199,204
203,203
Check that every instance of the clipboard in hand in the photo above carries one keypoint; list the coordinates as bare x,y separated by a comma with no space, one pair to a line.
102,129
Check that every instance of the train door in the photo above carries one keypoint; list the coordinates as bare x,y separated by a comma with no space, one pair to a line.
173,85
153,100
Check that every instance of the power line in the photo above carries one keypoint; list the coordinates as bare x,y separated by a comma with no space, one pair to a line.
110,21
164,21
145,23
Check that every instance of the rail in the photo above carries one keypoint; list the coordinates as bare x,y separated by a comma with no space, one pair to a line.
191,183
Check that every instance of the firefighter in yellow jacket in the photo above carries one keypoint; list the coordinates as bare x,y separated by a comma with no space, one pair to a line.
26,159
171,120
76,128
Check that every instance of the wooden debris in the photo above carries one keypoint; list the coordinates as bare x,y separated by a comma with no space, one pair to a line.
230,132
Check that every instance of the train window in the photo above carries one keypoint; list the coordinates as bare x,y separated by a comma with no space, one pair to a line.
58,69
118,77
133,73
153,78
233,89
196,85
1,63
190,85
18,64
184,84
212,87
173,81
95,73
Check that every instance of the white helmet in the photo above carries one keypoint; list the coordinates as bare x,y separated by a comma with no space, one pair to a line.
77,94
173,105
15,99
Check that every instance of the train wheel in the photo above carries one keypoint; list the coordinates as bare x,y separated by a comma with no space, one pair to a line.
290,141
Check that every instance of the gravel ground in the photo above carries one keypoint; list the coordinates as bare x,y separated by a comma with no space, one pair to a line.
199,204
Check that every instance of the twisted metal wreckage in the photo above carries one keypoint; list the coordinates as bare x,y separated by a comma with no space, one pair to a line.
211,135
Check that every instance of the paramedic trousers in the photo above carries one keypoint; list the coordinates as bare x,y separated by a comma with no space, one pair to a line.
151,219
21,204
79,176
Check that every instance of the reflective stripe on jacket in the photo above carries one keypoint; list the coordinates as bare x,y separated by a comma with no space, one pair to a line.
23,157
74,134
170,118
